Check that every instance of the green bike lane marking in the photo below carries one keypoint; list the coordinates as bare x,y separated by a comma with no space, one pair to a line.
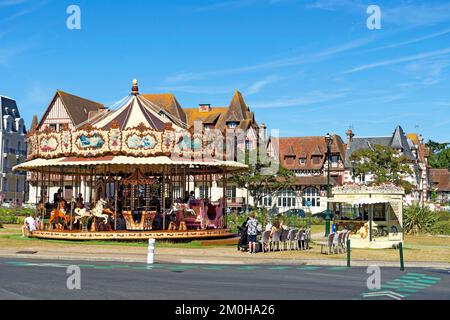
407,284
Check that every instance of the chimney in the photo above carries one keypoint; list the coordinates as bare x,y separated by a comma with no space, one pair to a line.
350,136
204,107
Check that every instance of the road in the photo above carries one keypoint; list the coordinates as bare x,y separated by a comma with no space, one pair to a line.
28,279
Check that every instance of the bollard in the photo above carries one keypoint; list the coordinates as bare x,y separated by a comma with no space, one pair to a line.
402,263
151,251
348,253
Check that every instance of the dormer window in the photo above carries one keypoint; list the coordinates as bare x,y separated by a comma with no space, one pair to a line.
232,125
302,161
334,161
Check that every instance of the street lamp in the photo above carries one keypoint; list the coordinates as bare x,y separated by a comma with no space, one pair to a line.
329,141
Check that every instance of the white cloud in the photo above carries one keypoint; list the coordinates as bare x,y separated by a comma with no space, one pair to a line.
389,62
259,85
314,97
287,62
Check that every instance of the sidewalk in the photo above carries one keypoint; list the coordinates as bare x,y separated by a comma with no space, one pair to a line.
218,256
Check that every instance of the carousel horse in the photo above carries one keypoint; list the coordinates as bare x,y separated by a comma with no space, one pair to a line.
363,232
180,222
99,211
81,214
214,216
59,215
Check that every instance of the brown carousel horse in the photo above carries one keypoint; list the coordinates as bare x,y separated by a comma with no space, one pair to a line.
59,217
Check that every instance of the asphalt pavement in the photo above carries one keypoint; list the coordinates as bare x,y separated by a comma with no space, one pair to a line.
38,279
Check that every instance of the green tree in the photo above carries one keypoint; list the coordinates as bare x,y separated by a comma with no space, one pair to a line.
439,154
260,185
385,164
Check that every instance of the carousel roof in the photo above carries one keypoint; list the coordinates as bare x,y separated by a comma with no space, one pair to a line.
122,163
132,111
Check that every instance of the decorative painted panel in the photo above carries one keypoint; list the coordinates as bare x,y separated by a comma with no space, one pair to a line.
141,142
49,144
90,142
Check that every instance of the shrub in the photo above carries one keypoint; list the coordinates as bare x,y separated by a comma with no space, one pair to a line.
1,225
418,220
442,228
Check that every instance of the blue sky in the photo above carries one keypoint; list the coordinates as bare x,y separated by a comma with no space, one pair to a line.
304,67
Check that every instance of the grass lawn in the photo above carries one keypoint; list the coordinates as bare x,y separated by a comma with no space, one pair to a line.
417,248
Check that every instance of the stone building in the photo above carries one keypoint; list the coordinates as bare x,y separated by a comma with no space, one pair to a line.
13,151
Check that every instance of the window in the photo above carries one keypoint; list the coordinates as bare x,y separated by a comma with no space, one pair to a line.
5,185
231,192
302,161
286,198
232,125
248,145
6,147
53,126
316,159
311,197
379,212
334,161
266,199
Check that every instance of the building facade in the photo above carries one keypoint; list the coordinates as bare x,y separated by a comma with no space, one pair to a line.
411,146
306,157
13,187
440,186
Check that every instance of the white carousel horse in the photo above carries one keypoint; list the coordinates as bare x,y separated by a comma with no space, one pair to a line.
81,214
99,209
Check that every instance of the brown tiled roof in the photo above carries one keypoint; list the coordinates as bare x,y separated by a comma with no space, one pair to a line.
168,102
306,147
78,108
210,117
440,179
237,112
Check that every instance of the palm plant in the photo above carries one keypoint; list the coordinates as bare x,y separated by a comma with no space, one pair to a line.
418,219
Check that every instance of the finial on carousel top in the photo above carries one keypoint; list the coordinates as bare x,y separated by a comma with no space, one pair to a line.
135,88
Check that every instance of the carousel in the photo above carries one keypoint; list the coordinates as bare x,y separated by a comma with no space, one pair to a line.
134,171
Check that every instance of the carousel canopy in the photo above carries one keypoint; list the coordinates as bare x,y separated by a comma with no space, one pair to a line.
134,111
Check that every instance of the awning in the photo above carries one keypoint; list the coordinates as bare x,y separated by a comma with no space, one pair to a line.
359,201
122,163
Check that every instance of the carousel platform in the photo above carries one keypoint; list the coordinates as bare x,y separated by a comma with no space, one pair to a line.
134,235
